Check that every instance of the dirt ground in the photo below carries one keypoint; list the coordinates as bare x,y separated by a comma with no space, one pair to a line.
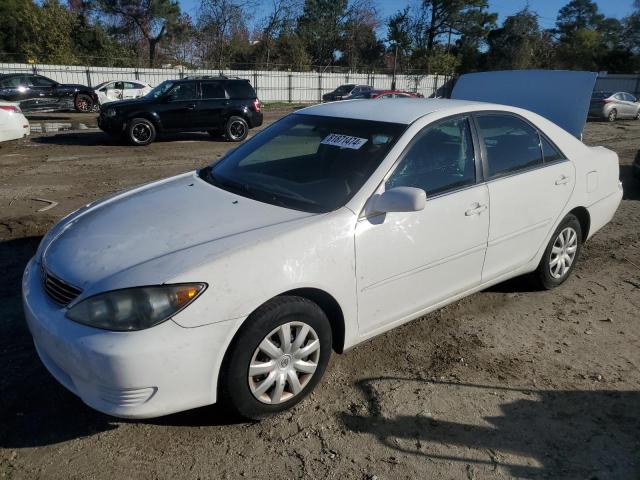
509,382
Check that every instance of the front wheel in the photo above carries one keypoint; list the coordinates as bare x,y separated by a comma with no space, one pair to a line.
83,103
140,131
278,357
561,254
236,129
613,114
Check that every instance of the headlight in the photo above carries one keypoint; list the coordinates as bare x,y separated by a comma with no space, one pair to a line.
134,308
111,112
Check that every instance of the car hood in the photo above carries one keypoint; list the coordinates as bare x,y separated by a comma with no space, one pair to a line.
128,103
145,223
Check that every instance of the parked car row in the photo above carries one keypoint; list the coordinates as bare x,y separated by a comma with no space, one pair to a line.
353,92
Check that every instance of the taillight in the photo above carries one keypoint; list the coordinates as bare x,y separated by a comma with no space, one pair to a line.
10,108
256,105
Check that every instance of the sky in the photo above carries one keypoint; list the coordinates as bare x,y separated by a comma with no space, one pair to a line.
546,9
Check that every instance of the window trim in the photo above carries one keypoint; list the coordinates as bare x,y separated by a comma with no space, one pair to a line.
403,154
483,152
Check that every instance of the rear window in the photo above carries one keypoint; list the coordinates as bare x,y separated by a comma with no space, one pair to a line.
240,90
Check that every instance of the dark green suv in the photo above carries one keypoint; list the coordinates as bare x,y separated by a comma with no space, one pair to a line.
218,105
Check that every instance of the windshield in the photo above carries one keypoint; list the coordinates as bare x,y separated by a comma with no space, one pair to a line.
306,162
160,89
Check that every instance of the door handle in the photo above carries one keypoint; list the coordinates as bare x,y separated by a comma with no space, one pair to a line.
563,180
476,210
191,106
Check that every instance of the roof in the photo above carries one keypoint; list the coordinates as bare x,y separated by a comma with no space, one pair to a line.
393,110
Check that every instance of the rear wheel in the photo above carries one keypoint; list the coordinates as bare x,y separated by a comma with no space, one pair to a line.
561,254
83,103
236,129
613,114
277,358
140,131
637,117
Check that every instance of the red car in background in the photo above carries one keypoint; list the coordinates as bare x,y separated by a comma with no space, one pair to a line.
375,94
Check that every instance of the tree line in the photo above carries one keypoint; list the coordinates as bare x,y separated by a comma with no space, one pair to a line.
430,36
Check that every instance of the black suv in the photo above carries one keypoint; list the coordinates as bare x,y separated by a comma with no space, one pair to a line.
35,92
218,105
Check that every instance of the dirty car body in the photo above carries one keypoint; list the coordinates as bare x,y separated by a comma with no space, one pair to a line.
364,214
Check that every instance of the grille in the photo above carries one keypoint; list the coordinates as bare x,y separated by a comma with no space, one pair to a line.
60,292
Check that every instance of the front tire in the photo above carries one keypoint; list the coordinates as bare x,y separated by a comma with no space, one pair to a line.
140,132
277,358
561,254
236,129
613,115
83,103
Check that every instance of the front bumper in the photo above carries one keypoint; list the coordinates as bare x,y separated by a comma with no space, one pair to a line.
110,124
143,374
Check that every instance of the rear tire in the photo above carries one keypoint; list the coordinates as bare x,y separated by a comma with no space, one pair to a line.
561,254
256,381
236,129
140,132
613,115
83,103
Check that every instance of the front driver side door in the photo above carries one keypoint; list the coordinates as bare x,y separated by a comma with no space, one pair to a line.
178,111
408,262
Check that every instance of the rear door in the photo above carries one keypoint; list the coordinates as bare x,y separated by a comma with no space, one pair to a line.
529,183
43,92
213,106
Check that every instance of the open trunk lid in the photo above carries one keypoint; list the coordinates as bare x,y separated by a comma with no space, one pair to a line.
558,95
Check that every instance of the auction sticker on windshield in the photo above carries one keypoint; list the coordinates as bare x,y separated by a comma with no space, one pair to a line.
344,141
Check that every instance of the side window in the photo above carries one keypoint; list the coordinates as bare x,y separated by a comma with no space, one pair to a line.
618,96
511,144
119,85
41,82
549,152
131,86
240,90
12,82
184,91
440,159
212,90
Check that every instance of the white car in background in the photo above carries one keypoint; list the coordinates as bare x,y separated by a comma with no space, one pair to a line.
333,225
13,124
115,90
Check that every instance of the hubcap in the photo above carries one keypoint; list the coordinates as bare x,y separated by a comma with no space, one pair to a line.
141,132
236,129
83,105
284,363
563,252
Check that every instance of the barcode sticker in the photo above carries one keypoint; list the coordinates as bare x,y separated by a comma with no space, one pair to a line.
344,141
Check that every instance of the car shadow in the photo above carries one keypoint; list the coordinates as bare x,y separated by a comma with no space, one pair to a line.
97,138
35,410
568,434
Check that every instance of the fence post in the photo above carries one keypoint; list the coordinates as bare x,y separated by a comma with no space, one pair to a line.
290,87
435,90
319,86
88,72
34,68
255,81
137,73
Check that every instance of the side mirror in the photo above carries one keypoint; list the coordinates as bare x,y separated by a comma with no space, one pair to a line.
401,199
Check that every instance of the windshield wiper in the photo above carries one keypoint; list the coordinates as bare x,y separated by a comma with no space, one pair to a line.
207,174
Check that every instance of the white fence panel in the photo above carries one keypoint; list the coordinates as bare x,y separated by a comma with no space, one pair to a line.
271,86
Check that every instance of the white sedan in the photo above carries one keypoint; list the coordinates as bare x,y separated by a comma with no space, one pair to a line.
333,225
121,90
13,124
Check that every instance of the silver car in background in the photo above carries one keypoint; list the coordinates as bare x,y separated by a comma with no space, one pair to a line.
614,105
